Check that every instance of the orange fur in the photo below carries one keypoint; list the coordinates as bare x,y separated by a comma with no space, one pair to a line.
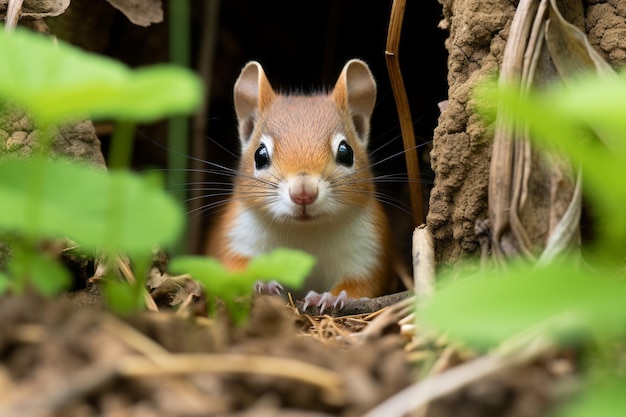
301,129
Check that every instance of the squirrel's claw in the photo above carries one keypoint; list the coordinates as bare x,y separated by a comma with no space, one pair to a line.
269,288
325,300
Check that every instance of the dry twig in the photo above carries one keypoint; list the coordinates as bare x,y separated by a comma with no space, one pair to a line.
422,393
404,111
140,366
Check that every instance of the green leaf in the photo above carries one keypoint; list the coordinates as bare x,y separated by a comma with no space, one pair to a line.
229,286
47,276
287,266
116,211
213,276
562,301
56,81
5,283
606,399
122,297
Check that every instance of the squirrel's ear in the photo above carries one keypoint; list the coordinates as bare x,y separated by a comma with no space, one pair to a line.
355,92
252,94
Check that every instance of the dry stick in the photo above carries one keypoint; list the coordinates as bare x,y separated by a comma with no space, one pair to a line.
432,388
404,111
14,9
184,309
77,386
95,376
387,316
359,306
130,277
423,261
139,366
501,168
132,337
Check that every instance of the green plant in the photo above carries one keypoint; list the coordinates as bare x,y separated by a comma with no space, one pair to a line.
568,302
58,82
289,267
116,212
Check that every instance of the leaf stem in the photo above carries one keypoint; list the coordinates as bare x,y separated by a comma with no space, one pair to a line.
121,145
178,126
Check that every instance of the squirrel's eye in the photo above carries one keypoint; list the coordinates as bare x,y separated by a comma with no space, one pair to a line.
261,157
345,154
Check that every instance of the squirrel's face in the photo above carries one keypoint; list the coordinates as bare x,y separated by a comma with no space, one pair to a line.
304,157
304,162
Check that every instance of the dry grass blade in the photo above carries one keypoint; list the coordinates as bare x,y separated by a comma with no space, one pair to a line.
566,233
534,197
157,365
570,49
376,323
505,150
329,329
14,9
132,337
128,274
572,53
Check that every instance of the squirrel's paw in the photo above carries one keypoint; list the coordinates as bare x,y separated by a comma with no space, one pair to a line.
269,288
325,300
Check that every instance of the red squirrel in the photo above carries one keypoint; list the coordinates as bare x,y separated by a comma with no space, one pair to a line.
304,182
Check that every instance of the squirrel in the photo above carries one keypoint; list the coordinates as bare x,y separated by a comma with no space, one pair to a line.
304,182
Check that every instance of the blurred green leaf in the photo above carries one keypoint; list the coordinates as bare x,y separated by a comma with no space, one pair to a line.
229,286
56,82
47,276
287,266
213,276
606,399
563,301
585,119
117,211
5,283
122,297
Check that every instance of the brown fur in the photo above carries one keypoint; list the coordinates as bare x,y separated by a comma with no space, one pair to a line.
301,128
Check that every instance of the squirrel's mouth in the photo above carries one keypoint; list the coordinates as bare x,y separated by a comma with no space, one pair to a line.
303,216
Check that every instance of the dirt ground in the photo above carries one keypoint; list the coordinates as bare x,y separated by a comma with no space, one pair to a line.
70,357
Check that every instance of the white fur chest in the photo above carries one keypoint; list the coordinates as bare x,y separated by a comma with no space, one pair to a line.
349,247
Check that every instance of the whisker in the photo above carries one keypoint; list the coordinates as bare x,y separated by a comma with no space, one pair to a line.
222,147
244,197
223,203
387,158
192,158
227,172
381,197
342,178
